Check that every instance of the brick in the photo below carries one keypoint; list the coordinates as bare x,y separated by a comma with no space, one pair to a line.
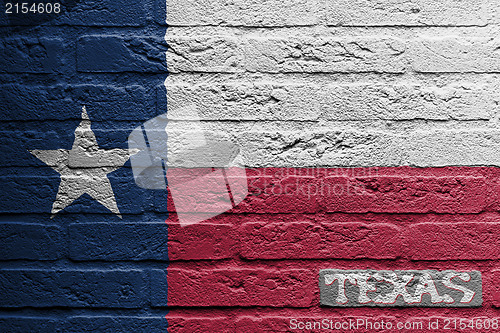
112,324
106,13
354,102
123,241
308,148
399,194
16,144
61,102
275,195
453,241
203,194
252,13
233,287
454,55
73,288
407,13
201,242
493,284
256,102
37,194
19,324
465,101
306,240
276,55
113,54
53,135
159,281
34,55
160,12
108,135
28,195
325,55
436,148
31,241
210,54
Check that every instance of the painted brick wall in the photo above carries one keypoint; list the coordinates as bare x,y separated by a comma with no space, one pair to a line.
256,267
85,269
383,83
405,92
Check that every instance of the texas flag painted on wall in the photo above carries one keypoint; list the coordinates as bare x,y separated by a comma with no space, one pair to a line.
247,166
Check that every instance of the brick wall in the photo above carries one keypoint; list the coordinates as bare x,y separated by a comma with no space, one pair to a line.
55,276
404,92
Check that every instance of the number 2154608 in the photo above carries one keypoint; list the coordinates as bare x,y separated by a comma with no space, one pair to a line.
32,8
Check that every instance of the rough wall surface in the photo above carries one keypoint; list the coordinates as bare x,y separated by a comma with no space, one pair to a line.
85,269
370,130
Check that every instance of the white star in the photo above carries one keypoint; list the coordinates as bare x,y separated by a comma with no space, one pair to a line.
84,168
